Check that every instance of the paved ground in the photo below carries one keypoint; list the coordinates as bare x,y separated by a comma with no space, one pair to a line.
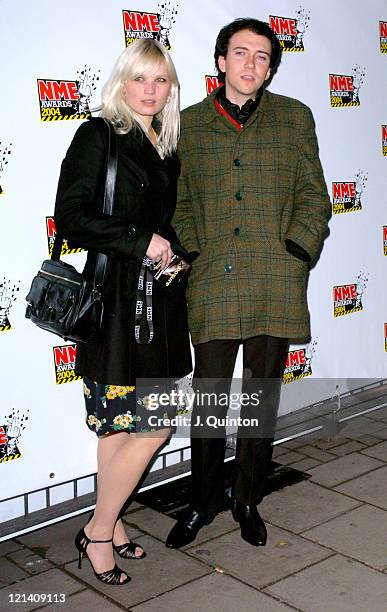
326,551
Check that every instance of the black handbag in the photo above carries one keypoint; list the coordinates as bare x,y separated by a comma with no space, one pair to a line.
61,300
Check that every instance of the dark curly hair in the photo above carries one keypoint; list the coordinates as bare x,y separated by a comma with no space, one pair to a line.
254,25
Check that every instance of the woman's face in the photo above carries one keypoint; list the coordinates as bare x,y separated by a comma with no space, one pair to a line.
147,94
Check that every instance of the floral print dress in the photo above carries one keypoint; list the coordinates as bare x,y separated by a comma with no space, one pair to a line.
113,408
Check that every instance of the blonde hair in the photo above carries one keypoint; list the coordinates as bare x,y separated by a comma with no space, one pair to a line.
141,56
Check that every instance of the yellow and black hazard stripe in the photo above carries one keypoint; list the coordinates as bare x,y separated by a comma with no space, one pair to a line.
182,411
65,250
10,457
293,49
288,378
342,104
5,327
71,251
340,211
66,117
73,378
347,312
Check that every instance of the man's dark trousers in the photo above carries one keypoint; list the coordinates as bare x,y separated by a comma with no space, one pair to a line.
263,364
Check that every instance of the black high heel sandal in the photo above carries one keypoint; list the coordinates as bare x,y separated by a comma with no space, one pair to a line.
112,576
127,550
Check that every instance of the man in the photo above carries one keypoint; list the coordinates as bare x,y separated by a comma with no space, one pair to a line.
253,202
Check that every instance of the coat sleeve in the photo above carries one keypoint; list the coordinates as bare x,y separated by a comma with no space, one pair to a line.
170,232
183,220
81,185
312,209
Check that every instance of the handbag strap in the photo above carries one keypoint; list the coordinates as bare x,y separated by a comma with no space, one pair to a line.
108,199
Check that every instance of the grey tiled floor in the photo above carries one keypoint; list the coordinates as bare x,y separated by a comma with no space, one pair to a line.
326,550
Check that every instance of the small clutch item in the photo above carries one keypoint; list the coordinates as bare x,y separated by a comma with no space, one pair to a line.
173,274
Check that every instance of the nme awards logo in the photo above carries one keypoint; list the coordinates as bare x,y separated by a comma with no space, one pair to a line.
64,361
51,233
385,239
142,24
349,298
5,151
384,140
290,31
10,436
212,83
64,100
383,36
344,89
8,296
346,197
299,363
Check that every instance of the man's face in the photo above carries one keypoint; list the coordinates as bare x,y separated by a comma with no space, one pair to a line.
246,65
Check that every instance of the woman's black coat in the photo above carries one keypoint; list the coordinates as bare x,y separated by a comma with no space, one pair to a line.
144,203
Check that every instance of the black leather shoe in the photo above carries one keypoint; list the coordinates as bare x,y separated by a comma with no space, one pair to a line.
186,529
253,529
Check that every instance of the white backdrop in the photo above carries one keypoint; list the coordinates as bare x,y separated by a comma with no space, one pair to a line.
39,42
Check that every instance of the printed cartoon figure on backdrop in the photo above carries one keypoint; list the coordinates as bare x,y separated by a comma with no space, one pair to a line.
5,151
87,79
303,18
5,305
8,295
167,17
360,182
10,435
358,75
310,350
361,284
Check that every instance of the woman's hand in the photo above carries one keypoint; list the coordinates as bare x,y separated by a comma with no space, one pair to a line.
160,250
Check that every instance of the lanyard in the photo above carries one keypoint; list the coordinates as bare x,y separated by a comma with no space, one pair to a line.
144,298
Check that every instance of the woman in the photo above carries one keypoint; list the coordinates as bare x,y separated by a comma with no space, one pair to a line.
141,101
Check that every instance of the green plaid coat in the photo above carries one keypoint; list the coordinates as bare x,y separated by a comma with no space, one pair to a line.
241,194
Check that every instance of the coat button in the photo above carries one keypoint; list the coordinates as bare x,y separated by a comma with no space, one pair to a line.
227,268
237,231
131,230
238,195
237,162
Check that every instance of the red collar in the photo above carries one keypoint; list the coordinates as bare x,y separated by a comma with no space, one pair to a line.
221,111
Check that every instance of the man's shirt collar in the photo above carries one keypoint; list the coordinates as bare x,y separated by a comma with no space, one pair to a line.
239,114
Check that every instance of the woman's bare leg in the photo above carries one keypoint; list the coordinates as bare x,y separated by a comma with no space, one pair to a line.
118,477
104,455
